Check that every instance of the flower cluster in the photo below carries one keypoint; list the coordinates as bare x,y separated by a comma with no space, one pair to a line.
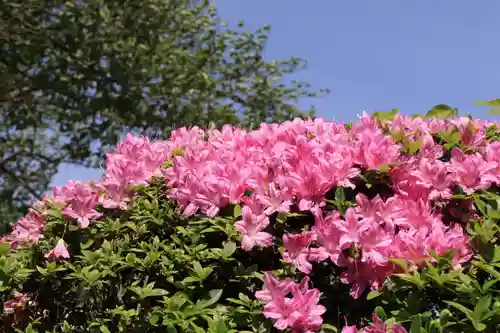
135,161
18,302
378,326
417,171
300,312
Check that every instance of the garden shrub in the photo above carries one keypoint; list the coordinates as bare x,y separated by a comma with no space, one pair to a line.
386,224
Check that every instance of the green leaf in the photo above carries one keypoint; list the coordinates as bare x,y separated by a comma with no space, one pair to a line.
496,255
237,211
154,318
468,313
197,268
104,329
340,194
373,294
480,205
416,324
444,317
451,137
487,268
400,262
412,146
442,111
171,329
177,151
412,278
481,307
42,270
4,248
381,313
221,327
386,115
215,295
488,285
493,103
384,168
228,249
329,328
157,292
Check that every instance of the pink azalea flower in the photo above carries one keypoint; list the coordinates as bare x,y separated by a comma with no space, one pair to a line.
472,172
18,302
429,148
374,150
362,275
297,250
350,329
471,133
27,230
366,124
379,326
59,251
81,202
443,239
351,228
434,175
300,311
493,156
374,245
328,236
377,211
273,288
251,227
307,312
275,200
308,183
415,214
411,245
116,194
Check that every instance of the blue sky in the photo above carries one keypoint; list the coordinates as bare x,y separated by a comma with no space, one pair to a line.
378,55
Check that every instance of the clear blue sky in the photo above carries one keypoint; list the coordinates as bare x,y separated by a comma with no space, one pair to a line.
376,55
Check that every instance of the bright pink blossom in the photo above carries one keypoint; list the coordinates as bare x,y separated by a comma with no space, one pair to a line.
374,150
379,326
434,175
384,213
28,229
493,156
59,251
291,305
298,251
328,237
372,241
362,275
472,133
349,329
82,201
252,228
275,199
472,172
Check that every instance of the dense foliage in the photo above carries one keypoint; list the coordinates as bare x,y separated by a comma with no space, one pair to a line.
75,75
386,224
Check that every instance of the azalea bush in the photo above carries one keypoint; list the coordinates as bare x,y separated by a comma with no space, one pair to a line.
388,224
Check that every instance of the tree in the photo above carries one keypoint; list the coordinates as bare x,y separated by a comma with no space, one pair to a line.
74,75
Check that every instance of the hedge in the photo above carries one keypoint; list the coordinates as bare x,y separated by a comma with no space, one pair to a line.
388,224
